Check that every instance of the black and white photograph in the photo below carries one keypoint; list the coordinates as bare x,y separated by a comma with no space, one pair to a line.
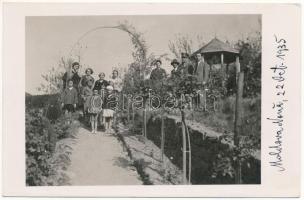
150,99
143,100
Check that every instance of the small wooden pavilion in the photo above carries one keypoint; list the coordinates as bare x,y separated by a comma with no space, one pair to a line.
218,50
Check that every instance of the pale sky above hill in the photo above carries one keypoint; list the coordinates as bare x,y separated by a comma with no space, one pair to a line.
49,38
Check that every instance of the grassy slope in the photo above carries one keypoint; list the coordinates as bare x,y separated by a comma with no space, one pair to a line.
222,120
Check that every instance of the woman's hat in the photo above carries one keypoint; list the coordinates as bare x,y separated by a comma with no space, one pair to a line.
90,70
174,61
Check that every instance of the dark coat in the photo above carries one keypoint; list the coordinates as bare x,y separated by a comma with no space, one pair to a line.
98,84
75,78
187,68
158,74
69,96
175,73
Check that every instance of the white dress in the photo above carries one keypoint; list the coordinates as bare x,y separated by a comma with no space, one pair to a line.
106,112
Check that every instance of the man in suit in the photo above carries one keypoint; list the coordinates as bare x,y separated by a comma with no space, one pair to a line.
202,74
202,69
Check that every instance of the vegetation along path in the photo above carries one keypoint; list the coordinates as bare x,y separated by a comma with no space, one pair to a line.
99,159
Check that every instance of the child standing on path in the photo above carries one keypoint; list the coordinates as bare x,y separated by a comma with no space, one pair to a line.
95,107
108,112
85,94
69,100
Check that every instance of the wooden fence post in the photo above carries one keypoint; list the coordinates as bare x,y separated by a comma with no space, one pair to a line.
128,110
184,149
238,118
189,153
162,137
133,119
145,122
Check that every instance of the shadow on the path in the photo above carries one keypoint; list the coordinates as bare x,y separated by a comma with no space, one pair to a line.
86,125
122,162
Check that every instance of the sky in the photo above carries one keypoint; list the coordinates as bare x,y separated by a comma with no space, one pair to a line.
50,38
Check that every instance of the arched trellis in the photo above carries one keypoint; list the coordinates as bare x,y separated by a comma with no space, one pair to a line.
140,49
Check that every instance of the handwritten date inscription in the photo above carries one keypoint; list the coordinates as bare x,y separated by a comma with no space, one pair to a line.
279,71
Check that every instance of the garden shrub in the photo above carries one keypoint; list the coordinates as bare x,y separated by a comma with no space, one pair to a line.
38,148
42,136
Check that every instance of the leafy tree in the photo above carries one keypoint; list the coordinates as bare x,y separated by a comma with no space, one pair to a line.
250,53
53,78
184,44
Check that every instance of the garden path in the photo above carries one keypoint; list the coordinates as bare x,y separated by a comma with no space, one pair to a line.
99,159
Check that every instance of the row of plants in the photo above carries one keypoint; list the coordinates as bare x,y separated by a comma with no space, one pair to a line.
213,160
45,127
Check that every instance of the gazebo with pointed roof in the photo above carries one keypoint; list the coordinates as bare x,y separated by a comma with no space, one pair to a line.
215,45
217,48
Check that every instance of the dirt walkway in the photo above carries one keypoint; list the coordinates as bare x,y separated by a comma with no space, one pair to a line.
99,159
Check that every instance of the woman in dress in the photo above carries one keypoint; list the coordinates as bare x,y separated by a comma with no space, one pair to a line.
87,77
100,83
117,82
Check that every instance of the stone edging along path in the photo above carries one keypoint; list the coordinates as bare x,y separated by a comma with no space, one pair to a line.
147,159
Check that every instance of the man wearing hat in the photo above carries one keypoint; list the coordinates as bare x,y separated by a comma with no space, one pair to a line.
187,66
73,75
158,73
176,71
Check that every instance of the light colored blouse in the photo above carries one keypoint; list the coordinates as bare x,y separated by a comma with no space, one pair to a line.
117,83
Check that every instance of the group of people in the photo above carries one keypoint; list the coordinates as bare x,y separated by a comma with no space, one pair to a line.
186,67
91,96
199,69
